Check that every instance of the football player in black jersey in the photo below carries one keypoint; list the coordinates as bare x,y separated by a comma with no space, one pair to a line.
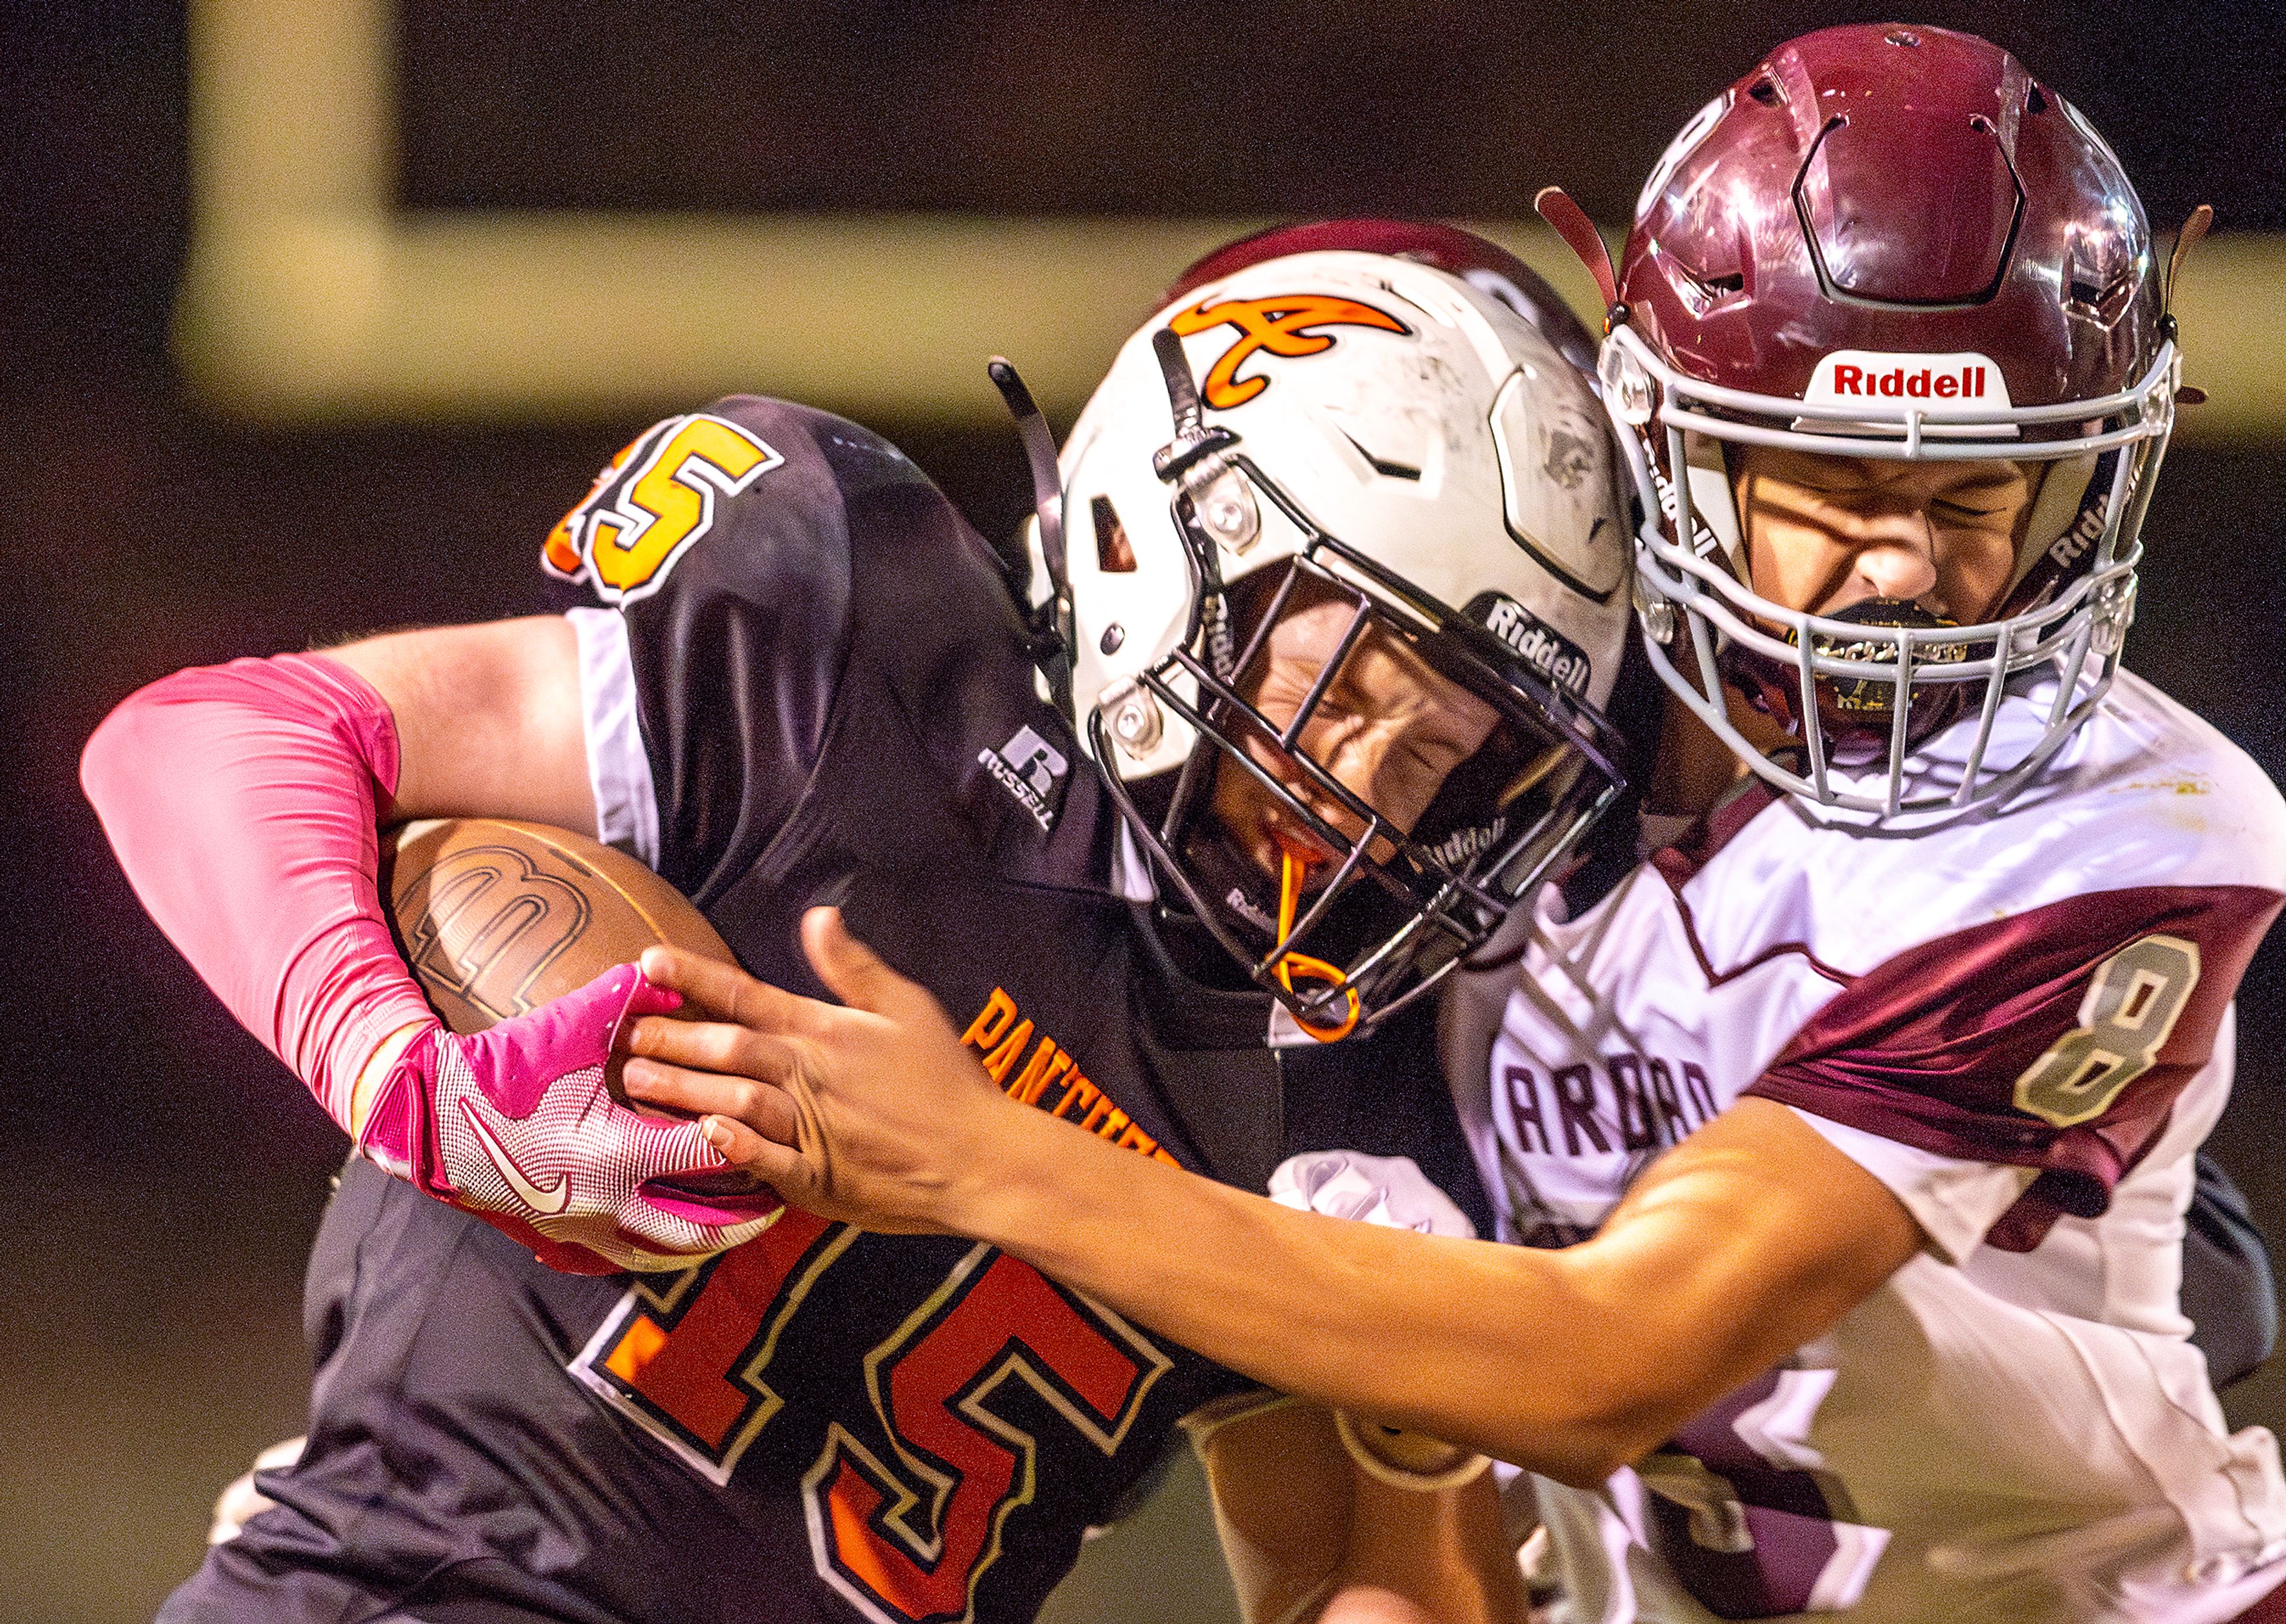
1335,662
1733,1265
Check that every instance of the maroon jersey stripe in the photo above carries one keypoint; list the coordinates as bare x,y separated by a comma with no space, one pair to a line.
2055,1039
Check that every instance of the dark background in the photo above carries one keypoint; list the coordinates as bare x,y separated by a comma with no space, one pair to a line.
161,1174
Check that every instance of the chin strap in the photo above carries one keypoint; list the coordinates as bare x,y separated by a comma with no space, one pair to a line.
2192,233
1293,871
1189,462
1048,507
1555,206
1195,437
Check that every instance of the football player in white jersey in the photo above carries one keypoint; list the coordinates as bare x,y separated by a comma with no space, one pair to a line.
1855,1128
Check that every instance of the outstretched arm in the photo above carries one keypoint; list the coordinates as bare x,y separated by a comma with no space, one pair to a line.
1749,1238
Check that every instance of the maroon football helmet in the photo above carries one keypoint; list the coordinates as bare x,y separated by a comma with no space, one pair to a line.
1485,265
1892,243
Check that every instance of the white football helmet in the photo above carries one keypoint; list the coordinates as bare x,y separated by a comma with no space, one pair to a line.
1365,428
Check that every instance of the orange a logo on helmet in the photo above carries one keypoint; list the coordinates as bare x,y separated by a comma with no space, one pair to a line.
1282,326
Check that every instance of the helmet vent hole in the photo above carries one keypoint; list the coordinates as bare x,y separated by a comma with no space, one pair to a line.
1114,554
1764,90
2036,102
2092,296
1903,37
1384,466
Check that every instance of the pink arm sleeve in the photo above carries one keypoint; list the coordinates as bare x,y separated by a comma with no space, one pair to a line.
242,801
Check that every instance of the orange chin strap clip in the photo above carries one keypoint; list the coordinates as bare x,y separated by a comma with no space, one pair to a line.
1293,869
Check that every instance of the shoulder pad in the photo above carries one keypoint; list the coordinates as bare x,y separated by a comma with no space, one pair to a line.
720,482
736,541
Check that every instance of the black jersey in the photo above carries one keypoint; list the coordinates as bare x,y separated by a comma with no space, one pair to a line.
838,703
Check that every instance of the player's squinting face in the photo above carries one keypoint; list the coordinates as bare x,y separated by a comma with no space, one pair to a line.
1824,533
1390,728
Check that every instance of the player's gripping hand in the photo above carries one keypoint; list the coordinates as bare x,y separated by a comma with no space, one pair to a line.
516,1126
1391,1191
869,1111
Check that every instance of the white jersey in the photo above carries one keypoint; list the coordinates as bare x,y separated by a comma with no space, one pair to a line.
2019,1023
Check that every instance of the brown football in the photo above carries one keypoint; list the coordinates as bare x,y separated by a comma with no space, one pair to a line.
497,917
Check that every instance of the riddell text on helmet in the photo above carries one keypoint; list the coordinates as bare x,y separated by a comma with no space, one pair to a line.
1964,378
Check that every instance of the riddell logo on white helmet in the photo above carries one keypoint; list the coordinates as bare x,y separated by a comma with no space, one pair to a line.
1852,377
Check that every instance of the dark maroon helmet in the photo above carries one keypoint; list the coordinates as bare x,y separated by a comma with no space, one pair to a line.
1476,260
1893,242
1887,188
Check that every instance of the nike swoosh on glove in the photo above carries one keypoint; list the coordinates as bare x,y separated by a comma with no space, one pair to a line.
1391,1191
514,1124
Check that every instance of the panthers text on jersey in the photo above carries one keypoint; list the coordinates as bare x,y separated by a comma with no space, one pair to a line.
812,686
2020,1024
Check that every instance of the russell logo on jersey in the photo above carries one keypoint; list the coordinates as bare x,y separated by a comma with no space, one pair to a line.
1032,771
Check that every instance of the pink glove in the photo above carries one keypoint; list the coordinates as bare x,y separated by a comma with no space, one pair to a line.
516,1126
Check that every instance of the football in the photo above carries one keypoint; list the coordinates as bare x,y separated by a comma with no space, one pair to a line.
497,917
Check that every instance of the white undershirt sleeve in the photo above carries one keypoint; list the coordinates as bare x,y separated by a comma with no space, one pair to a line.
619,770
